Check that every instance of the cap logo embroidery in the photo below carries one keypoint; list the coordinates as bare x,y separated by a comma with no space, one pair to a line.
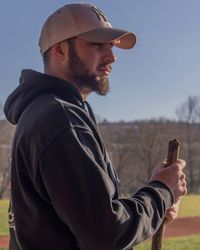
100,14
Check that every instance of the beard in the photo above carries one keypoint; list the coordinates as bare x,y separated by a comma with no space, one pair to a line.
78,71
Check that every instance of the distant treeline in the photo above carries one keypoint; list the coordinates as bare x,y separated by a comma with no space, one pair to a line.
135,149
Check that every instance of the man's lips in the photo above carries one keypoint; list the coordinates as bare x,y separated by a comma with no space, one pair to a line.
106,69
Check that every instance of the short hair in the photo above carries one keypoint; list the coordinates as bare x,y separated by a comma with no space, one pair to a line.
46,57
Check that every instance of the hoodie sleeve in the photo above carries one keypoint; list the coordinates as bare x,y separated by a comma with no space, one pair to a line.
74,175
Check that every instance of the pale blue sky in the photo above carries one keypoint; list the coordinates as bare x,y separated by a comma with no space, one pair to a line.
149,81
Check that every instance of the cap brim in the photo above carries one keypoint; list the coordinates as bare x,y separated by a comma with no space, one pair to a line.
120,38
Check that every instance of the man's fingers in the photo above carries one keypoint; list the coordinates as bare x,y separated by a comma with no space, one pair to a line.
173,176
172,213
181,163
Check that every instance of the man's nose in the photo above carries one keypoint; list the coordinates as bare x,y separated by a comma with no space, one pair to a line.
110,55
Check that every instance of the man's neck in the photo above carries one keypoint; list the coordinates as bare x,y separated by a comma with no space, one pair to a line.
84,92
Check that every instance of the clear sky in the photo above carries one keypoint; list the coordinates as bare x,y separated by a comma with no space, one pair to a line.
149,81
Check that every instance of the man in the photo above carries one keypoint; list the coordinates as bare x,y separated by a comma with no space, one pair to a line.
63,187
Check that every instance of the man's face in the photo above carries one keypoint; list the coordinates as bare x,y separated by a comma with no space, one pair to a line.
89,65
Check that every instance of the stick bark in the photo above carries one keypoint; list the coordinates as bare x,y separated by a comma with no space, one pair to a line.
172,156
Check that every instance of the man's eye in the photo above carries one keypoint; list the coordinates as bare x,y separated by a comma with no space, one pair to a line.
98,44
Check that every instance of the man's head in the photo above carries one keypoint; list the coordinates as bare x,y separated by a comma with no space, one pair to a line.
85,21
77,39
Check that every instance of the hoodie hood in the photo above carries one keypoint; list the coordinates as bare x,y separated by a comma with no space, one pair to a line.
32,84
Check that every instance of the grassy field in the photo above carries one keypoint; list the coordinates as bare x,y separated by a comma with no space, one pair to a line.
4,217
179,243
190,207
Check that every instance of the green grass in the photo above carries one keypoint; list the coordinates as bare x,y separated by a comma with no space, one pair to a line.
179,243
4,217
190,206
176,243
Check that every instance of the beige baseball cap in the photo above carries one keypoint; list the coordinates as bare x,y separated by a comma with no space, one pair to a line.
85,21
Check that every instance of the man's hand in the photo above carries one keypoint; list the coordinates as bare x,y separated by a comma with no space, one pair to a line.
172,213
173,177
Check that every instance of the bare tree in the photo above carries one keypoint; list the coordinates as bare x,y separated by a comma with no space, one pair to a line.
118,140
152,140
4,169
6,134
137,148
189,113
1,111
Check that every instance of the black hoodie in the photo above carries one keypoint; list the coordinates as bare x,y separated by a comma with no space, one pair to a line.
63,186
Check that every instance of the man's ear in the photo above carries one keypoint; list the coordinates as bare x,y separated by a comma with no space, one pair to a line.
60,50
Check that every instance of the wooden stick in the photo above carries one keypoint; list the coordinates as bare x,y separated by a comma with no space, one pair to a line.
172,156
